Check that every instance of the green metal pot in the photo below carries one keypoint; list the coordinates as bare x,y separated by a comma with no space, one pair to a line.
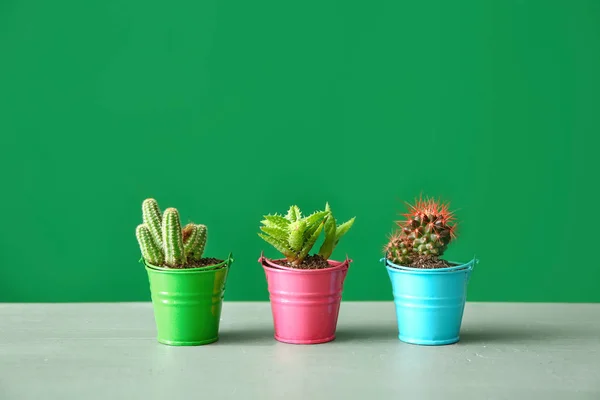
187,302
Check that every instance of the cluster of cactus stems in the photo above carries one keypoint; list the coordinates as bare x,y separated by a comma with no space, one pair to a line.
294,235
426,231
162,240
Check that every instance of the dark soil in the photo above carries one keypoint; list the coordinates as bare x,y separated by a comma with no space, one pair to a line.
310,262
203,262
429,262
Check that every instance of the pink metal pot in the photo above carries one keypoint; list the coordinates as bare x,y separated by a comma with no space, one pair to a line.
305,303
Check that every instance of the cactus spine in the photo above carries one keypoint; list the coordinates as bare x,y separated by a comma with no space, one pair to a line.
164,243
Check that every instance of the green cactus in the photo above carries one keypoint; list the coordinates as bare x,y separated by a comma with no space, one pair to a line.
153,220
173,239
150,250
164,243
194,241
190,239
294,235
203,234
399,249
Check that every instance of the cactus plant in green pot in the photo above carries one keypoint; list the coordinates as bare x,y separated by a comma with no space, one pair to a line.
186,288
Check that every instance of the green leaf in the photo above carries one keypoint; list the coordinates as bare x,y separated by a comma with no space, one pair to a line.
278,244
275,221
277,233
330,237
314,226
310,243
296,235
293,214
314,218
343,228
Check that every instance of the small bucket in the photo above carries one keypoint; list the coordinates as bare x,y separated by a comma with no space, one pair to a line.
187,302
305,303
429,302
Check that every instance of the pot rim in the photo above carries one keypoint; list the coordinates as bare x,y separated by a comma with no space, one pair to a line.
269,264
225,264
458,267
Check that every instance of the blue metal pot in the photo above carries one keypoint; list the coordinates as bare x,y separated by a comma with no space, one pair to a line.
429,302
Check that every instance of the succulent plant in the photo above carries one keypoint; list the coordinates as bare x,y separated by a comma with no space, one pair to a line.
162,240
426,232
294,235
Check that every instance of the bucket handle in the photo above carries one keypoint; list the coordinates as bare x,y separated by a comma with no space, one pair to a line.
230,259
348,261
474,260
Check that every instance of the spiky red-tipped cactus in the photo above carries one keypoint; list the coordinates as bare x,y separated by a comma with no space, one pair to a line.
399,249
429,224
427,230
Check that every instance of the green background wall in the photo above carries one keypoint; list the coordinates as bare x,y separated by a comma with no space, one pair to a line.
231,110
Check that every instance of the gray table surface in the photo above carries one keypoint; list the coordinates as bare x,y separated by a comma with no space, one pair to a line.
109,351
